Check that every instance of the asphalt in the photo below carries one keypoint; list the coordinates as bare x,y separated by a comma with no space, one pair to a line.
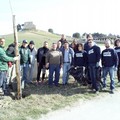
101,108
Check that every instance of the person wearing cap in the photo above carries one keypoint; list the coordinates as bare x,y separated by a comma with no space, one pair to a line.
25,62
4,59
33,53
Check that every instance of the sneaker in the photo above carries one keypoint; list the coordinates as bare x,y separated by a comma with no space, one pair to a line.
1,91
42,81
93,90
27,85
96,92
112,91
6,92
31,83
104,89
57,85
37,83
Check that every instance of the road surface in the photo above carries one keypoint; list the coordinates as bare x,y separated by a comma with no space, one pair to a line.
100,108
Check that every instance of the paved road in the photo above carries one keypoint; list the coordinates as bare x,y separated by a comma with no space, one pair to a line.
105,108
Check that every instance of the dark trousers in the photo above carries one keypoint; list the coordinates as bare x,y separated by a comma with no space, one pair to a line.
93,77
87,73
118,73
40,67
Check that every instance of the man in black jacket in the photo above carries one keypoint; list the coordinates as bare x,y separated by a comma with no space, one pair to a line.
63,39
41,56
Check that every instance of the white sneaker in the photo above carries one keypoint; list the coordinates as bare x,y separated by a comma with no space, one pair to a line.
1,91
104,88
97,92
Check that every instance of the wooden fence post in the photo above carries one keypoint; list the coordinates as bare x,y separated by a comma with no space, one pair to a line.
17,65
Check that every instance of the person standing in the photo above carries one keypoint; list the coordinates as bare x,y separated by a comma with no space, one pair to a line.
80,56
41,58
63,39
68,59
73,45
11,65
109,61
117,49
54,61
93,55
86,48
4,59
86,45
59,46
33,53
25,62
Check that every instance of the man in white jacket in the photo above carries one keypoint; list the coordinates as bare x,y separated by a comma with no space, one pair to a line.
33,53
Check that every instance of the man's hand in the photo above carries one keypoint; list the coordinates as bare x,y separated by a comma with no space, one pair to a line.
97,64
47,65
16,58
29,65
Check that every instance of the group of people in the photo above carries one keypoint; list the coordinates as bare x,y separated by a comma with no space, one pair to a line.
60,55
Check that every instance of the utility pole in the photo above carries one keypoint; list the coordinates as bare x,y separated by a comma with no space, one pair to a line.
17,65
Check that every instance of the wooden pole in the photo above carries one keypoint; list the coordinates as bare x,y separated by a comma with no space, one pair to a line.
17,65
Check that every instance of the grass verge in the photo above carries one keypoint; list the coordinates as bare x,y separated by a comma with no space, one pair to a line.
39,100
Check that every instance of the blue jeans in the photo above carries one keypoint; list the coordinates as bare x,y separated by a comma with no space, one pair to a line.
24,73
93,76
54,68
66,67
3,80
31,72
111,72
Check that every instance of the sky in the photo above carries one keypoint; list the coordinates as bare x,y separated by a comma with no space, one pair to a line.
63,16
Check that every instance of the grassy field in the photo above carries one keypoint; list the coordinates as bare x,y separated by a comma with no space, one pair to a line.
37,36
39,100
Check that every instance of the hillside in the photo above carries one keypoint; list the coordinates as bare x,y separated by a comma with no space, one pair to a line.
37,36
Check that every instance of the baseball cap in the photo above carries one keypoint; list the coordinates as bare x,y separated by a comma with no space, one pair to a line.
25,41
32,42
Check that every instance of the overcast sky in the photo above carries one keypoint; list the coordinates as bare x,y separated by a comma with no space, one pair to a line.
63,16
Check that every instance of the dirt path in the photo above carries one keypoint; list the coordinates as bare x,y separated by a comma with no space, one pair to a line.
105,108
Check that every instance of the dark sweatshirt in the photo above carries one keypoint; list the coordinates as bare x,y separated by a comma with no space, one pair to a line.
109,58
80,58
93,55
117,49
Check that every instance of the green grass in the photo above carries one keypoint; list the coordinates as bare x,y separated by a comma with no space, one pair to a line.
37,36
39,100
